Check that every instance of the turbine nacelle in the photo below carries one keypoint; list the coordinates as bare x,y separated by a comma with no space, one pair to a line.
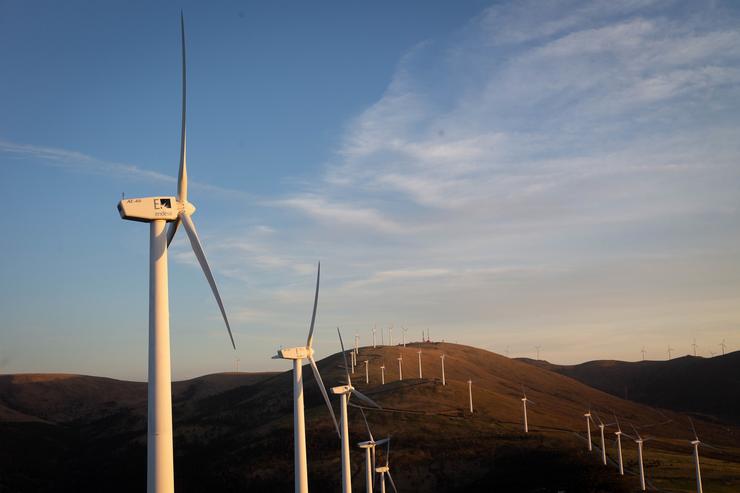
294,353
149,209
382,469
342,389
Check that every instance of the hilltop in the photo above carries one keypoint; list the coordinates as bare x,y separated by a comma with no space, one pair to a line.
708,386
240,438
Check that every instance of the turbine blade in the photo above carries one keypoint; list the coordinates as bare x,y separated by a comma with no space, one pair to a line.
182,175
386,440
693,428
171,230
365,398
187,223
309,341
390,478
362,411
320,383
344,355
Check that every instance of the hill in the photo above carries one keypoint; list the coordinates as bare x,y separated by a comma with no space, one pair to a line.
708,386
240,439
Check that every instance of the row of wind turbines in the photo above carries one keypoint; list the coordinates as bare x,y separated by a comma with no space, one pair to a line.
639,440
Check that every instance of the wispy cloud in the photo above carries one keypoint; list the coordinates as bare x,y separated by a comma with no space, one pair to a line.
78,162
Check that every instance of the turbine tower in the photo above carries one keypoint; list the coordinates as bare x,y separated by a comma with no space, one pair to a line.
298,354
670,350
643,353
695,442
694,346
367,372
344,392
639,441
603,441
470,395
723,346
524,405
382,374
442,357
588,429
158,211
420,374
618,433
374,329
400,367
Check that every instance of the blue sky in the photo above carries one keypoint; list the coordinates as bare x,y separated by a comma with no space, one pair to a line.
507,174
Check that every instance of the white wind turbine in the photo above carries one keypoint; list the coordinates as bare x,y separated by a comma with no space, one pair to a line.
298,354
382,374
367,372
588,429
618,433
386,470
639,441
524,405
158,211
470,395
696,442
344,392
420,374
602,425
369,447
442,357
400,367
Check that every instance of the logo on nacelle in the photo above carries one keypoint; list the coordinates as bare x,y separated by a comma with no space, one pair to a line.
162,204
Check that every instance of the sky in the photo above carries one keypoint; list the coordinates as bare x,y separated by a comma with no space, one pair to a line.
561,174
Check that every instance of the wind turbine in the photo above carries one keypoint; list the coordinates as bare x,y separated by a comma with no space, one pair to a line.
639,441
158,211
374,329
369,447
695,442
524,405
694,346
470,395
442,357
419,353
603,441
357,347
588,429
723,346
390,335
383,470
643,353
670,349
382,374
344,392
618,433
400,367
367,372
538,352
298,354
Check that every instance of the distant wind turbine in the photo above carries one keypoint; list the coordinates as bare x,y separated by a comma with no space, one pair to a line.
400,367
419,353
723,346
470,395
382,374
345,392
588,429
694,346
390,335
618,433
298,354
386,470
639,441
643,353
374,329
367,372
158,211
670,349
369,447
442,357
538,352
524,405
